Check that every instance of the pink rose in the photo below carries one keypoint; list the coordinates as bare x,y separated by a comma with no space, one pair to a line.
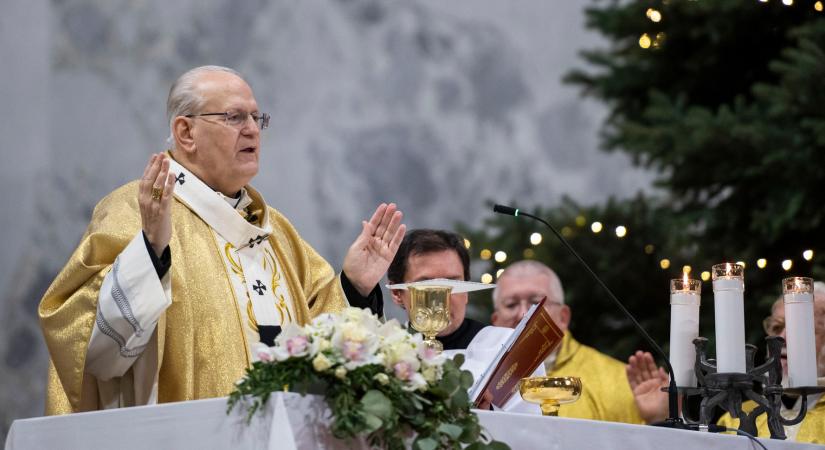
296,345
403,370
354,350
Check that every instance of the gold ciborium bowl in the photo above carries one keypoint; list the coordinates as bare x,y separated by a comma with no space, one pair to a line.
550,392
430,312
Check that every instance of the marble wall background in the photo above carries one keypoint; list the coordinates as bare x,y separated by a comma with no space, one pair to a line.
436,105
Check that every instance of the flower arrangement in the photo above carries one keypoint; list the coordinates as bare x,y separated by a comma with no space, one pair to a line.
379,381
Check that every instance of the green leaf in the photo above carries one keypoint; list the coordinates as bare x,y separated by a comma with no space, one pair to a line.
426,443
471,430
460,400
372,422
377,404
458,360
498,445
454,431
466,379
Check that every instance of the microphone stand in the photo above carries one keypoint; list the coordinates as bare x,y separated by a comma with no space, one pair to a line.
673,420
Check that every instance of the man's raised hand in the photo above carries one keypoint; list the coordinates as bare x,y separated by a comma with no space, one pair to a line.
370,255
154,197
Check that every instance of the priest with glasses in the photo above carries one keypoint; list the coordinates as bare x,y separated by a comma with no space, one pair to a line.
181,272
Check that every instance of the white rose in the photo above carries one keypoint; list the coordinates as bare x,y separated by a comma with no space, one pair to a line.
382,378
431,373
321,363
341,372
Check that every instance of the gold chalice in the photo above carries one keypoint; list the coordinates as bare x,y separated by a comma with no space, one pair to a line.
430,312
550,392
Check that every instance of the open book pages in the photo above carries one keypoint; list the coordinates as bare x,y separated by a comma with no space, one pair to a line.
458,286
535,337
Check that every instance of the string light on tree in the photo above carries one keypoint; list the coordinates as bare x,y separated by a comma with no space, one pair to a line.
499,272
644,41
649,249
501,256
486,254
818,6
761,263
808,255
664,264
741,263
621,231
486,278
659,40
596,227
581,221
787,2
653,15
787,264
528,253
535,238
566,232
705,276
466,243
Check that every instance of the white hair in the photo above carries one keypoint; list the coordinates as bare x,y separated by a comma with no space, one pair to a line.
531,267
184,96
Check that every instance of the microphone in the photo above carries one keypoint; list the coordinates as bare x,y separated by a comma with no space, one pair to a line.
673,420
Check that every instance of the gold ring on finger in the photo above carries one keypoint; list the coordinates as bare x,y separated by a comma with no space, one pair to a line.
157,192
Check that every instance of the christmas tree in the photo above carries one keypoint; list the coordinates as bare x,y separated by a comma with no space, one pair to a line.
722,100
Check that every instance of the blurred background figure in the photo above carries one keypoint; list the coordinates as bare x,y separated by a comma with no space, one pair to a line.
430,254
606,394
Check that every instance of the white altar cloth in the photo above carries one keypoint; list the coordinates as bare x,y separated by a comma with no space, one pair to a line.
290,421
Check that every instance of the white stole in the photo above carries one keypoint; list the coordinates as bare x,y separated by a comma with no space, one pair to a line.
250,261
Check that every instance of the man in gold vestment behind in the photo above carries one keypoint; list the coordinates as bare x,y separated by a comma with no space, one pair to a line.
181,272
606,394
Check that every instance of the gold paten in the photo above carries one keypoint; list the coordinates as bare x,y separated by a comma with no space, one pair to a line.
550,392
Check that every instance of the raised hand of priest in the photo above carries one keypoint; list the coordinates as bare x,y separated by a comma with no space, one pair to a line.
370,255
646,381
154,197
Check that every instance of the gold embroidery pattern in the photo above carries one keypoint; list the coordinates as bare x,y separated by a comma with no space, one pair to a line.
238,270
280,304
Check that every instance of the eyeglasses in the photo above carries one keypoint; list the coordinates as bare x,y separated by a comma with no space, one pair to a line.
511,302
773,326
237,119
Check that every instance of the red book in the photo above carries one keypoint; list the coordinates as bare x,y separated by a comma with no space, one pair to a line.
535,337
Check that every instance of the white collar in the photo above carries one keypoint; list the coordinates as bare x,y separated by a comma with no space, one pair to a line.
217,213
238,203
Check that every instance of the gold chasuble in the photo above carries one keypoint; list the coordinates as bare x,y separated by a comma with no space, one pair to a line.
200,346
606,393
810,430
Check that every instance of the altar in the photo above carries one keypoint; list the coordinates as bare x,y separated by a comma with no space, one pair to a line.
290,421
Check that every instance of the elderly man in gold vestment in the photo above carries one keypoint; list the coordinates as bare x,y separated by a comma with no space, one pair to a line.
606,394
649,379
181,272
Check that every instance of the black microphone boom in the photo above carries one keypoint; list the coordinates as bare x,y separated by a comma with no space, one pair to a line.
673,420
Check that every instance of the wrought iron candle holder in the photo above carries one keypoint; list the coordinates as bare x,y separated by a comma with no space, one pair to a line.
729,390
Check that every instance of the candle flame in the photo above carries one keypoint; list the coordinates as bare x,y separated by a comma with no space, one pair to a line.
728,269
798,284
686,280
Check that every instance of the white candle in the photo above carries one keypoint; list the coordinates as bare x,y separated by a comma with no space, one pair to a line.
729,313
685,295
798,298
